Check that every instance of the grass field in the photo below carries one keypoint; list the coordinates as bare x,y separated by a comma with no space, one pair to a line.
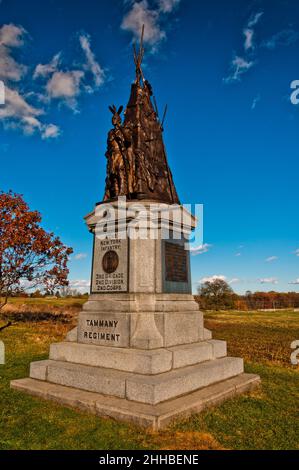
265,419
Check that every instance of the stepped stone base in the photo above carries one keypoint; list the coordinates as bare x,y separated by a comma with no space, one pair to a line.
143,358
140,361
142,388
146,415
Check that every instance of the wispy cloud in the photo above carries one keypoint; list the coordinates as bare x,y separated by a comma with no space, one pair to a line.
18,112
239,66
66,84
213,278
11,37
80,256
296,252
249,31
268,280
243,61
271,258
51,131
238,254
216,277
47,69
82,285
53,82
91,65
199,250
295,282
152,17
255,101
286,37
254,19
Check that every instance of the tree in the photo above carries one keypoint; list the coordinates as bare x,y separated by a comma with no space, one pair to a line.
29,256
216,294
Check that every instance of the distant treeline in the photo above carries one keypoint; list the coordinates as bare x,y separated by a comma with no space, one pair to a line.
62,293
250,301
224,299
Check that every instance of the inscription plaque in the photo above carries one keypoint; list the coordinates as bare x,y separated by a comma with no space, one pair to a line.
176,264
110,266
104,330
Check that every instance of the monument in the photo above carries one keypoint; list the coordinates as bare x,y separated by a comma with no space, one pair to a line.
140,351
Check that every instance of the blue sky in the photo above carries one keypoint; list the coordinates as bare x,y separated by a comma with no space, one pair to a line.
223,67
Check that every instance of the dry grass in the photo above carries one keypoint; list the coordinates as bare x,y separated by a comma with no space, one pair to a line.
37,310
189,440
256,336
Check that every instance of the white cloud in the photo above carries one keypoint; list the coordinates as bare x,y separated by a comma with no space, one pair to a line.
198,250
80,256
65,86
166,6
47,69
248,33
11,37
140,15
238,254
239,66
18,113
296,252
50,131
242,63
269,280
91,64
254,19
271,258
152,17
285,37
82,285
295,282
16,106
216,277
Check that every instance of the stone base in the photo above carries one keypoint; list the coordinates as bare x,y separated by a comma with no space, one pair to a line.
144,358
146,415
139,361
151,389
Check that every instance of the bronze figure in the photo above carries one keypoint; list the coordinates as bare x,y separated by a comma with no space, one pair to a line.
137,165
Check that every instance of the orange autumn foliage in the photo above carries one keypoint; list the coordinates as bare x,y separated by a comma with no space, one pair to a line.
28,254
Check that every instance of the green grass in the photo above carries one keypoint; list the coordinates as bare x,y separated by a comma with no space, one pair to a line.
264,419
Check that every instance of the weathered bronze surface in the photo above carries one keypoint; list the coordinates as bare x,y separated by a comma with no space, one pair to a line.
176,268
110,261
137,164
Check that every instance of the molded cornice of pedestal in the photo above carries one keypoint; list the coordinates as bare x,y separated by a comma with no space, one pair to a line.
151,214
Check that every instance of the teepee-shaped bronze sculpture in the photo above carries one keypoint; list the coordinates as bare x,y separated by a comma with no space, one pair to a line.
137,165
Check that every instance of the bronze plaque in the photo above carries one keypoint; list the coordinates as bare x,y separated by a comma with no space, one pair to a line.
110,261
176,265
110,270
